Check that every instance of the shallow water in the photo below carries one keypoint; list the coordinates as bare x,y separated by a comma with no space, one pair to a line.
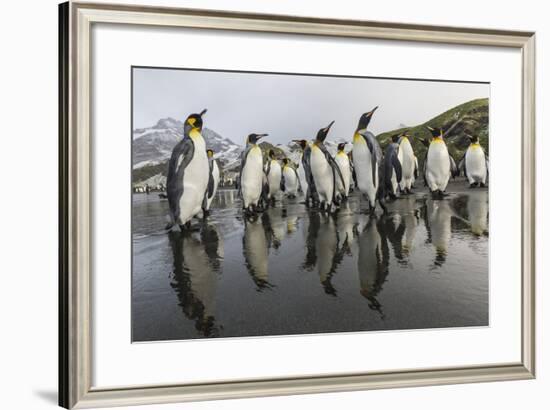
295,271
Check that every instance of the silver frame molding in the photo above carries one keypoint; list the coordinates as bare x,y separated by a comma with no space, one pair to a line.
75,353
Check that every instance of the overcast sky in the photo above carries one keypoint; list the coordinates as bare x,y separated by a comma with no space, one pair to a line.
290,106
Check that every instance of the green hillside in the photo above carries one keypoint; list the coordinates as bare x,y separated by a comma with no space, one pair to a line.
471,117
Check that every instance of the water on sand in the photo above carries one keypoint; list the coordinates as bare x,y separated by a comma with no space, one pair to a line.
295,271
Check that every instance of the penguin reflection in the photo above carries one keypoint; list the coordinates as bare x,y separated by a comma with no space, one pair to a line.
438,226
195,276
478,213
345,222
323,249
404,228
256,249
394,229
373,261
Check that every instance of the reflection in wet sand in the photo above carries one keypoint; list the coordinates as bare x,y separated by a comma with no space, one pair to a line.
352,256
438,225
256,249
478,213
345,224
196,266
373,261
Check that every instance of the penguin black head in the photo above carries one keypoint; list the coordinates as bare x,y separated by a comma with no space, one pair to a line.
341,146
436,132
395,137
365,119
271,154
195,120
253,138
473,140
323,132
286,161
301,143
209,153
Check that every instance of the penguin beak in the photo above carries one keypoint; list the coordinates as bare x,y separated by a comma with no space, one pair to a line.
262,135
328,127
203,112
430,128
373,110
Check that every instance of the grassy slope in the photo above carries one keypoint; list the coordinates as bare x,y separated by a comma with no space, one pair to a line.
475,121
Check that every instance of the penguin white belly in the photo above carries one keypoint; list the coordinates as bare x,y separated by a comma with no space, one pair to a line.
195,182
216,177
343,163
438,170
322,175
252,177
274,179
291,183
362,163
394,183
476,168
406,158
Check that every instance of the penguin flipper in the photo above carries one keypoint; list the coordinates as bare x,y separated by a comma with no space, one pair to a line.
306,162
462,165
397,167
425,168
333,165
244,156
181,157
454,169
282,183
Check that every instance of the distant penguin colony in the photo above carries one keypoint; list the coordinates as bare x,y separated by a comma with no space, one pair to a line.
324,180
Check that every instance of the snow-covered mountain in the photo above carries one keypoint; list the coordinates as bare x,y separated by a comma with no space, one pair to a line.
152,146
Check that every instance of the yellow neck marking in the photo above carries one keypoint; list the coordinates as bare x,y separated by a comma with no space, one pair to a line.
437,140
358,138
475,145
195,134
341,152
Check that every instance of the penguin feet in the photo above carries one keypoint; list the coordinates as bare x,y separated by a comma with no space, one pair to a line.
482,185
473,185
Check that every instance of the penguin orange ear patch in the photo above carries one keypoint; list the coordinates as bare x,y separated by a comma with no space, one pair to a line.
191,121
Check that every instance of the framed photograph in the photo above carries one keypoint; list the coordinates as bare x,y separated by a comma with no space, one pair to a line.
256,205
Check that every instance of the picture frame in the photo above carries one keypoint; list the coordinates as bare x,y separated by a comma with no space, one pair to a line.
75,205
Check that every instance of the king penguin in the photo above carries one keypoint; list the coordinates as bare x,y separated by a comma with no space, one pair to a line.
324,170
274,173
343,162
474,163
407,159
304,173
214,178
438,164
367,157
290,180
188,173
251,173
390,172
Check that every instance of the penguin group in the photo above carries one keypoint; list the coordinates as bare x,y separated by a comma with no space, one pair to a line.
323,179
